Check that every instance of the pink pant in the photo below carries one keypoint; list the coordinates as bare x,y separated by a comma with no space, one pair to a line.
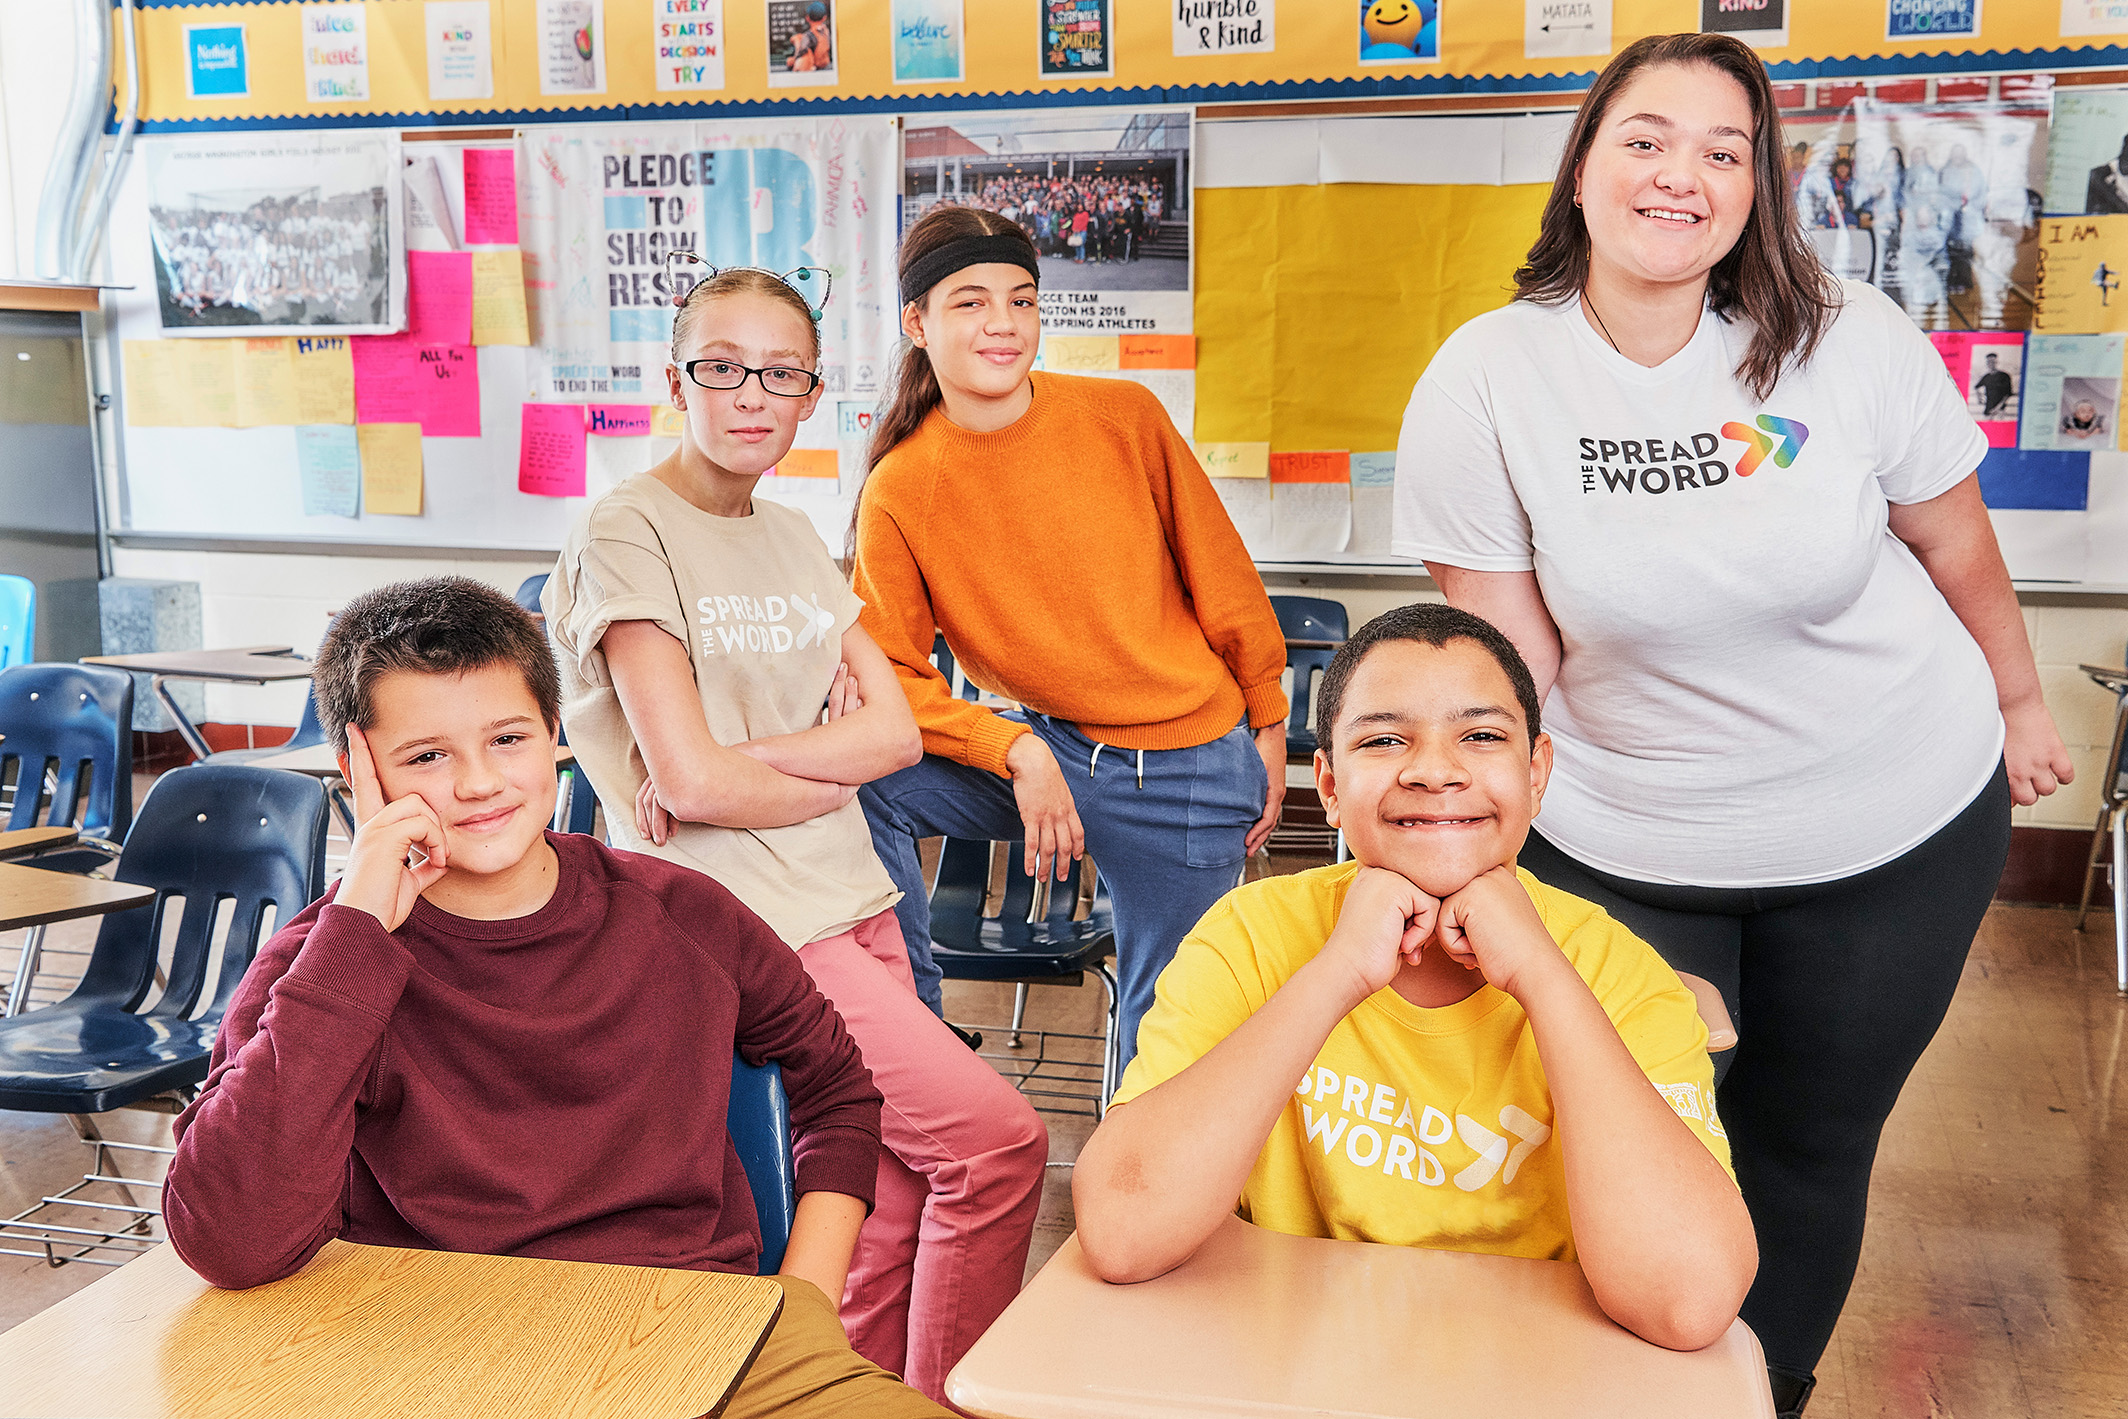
959,1179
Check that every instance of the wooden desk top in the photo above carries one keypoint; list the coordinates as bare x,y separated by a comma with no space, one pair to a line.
31,896
27,842
317,760
368,1331
251,665
1265,1324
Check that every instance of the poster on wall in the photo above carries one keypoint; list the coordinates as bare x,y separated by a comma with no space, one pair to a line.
1078,39
2087,153
1561,29
927,41
1937,205
601,208
1762,24
572,47
460,49
1931,19
216,63
801,43
1212,27
2072,393
2093,17
1104,193
1400,31
335,54
256,233
688,36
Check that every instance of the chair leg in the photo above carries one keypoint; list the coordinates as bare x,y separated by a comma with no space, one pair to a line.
1111,1048
2092,861
1019,1015
18,995
2120,902
1341,853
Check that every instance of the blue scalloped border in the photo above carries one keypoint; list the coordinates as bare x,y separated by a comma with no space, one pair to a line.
1389,86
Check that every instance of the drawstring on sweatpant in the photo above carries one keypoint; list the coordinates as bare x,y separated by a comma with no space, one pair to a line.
1095,758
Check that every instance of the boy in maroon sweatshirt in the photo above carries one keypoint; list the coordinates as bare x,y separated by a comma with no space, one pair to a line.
486,1038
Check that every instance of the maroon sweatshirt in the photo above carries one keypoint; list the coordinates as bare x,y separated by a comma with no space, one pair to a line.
552,1086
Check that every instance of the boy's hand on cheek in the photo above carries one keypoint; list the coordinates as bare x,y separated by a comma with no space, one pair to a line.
1384,924
381,878
1493,925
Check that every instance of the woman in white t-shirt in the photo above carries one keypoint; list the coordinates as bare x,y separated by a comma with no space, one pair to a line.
725,703
1726,508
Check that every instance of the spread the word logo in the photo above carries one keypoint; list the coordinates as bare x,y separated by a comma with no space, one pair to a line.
1791,432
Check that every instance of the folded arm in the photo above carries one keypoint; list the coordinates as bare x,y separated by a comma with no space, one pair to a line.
697,778
259,1179
870,741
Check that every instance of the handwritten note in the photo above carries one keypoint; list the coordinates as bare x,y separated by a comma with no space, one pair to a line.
499,298
391,468
1310,519
666,421
1235,460
807,463
550,453
491,197
1248,504
325,379
619,420
180,383
2083,275
1373,503
265,382
1157,352
1313,466
1374,470
1080,353
398,381
329,459
439,297
386,391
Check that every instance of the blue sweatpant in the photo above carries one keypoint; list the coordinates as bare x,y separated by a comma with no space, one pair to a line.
1166,829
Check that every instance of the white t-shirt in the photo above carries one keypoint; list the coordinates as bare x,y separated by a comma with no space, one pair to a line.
1760,684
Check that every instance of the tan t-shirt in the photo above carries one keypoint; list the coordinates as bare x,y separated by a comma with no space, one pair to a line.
762,613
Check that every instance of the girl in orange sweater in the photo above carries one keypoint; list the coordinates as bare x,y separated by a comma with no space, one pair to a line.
1060,534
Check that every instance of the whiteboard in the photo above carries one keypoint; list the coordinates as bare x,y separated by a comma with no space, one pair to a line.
243,483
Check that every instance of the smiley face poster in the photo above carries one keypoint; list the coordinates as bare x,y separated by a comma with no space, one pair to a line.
1400,31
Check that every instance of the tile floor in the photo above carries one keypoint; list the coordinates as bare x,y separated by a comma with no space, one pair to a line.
1994,1282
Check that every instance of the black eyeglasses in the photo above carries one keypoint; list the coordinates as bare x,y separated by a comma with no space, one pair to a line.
786,380
812,283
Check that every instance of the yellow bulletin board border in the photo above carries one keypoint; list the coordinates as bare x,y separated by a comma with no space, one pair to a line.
1317,58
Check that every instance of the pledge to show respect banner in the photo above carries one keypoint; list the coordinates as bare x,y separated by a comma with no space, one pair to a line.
601,208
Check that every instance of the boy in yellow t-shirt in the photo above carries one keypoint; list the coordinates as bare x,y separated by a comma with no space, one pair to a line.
1485,1063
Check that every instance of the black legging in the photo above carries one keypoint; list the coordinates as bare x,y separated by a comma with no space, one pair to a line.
1836,988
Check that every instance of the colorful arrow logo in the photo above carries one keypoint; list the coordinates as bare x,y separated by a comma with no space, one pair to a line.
1792,433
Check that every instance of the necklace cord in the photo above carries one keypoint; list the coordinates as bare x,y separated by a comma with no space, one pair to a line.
1599,320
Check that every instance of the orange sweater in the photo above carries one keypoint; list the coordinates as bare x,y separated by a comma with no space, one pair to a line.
1079,563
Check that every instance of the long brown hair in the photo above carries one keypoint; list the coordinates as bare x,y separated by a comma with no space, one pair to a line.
1771,277
915,390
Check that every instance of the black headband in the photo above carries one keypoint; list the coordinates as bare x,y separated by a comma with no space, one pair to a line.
962,252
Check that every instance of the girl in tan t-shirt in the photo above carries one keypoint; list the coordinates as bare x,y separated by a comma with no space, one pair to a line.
659,656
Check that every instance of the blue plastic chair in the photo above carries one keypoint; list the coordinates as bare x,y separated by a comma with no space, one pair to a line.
1044,933
1307,618
70,726
208,835
759,1120
18,620
942,657
309,732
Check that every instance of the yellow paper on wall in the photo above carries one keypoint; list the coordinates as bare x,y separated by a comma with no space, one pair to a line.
1073,353
265,382
666,421
2083,276
180,383
499,297
391,468
1235,460
324,368
807,463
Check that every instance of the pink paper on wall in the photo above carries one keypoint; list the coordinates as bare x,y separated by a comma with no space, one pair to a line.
490,197
398,381
439,297
620,420
550,453
1987,368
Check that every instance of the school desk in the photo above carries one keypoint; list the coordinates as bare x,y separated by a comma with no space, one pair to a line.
1264,1324
28,842
252,665
366,1331
31,896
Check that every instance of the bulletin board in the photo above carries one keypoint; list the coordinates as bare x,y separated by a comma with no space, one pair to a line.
1315,51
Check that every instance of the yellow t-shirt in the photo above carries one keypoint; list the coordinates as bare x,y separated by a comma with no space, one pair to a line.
1417,1127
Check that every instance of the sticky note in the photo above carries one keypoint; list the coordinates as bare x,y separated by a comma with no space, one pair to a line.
666,421
807,463
1374,470
448,402
180,383
1315,466
1235,460
491,196
499,298
385,370
391,468
619,420
1156,352
550,451
324,371
1077,353
329,458
265,381
439,297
